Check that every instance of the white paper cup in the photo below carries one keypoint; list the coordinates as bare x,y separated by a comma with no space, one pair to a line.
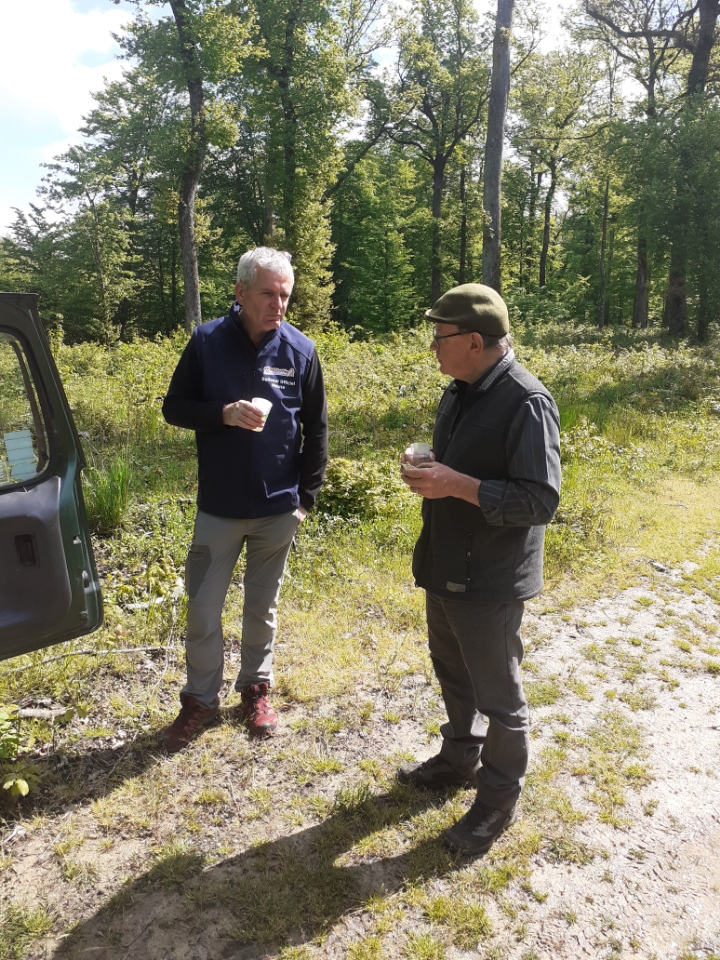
265,406
416,454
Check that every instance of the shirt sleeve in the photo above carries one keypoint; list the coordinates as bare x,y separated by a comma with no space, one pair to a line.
184,405
531,496
314,421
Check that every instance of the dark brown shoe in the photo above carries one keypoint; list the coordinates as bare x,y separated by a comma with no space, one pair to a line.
189,722
476,832
255,708
434,774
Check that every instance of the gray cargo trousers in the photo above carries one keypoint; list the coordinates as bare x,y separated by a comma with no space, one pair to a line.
476,652
214,552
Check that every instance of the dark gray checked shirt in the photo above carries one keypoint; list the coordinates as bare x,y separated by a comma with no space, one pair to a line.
530,497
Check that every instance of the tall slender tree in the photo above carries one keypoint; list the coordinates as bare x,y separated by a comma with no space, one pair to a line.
497,109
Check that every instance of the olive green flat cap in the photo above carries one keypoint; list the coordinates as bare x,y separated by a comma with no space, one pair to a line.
472,306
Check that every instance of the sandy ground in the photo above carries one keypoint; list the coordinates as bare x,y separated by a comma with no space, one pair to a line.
650,889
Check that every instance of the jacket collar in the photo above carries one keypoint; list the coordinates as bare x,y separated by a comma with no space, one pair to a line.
234,316
488,379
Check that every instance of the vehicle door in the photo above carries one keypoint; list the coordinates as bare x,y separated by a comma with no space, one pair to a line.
49,589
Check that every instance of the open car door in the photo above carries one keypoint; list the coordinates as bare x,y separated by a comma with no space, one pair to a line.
49,590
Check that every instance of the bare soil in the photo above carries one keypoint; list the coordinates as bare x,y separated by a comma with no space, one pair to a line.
649,886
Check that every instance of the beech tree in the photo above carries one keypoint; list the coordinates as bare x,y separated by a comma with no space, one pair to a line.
497,109
443,75
554,113
655,38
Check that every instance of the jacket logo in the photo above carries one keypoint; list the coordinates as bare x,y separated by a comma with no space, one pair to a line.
278,372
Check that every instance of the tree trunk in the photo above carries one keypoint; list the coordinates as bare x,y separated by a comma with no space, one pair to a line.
164,326
549,196
529,252
697,78
268,223
497,109
641,308
675,311
436,250
173,283
282,71
704,309
603,245
463,227
194,162
608,269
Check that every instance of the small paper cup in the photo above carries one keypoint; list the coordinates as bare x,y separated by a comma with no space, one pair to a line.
416,454
265,406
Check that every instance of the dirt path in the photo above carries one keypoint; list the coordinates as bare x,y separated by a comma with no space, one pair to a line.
654,888
628,684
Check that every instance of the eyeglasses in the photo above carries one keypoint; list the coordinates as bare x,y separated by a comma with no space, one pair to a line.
446,336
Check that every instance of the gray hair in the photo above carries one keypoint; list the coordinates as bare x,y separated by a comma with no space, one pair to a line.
489,341
277,261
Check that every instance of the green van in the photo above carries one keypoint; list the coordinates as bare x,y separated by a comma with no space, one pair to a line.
49,589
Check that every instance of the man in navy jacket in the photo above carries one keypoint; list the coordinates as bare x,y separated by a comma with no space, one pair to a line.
257,479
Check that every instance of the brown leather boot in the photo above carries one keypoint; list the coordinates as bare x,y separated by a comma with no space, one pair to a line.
260,717
189,722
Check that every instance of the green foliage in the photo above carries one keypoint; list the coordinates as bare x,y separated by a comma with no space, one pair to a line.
108,496
16,776
422,946
381,235
9,736
361,488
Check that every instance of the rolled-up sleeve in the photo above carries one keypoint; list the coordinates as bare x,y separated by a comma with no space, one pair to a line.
531,495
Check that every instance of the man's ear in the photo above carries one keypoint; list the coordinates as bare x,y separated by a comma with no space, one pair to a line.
476,341
239,290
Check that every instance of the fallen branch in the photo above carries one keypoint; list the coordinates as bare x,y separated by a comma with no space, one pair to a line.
87,653
38,714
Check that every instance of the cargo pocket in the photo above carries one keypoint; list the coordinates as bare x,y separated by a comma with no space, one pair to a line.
196,566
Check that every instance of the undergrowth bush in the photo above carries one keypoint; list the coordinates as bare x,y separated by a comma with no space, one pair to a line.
16,776
108,494
357,488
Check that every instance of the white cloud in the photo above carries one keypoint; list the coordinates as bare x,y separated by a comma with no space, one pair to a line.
43,78
54,54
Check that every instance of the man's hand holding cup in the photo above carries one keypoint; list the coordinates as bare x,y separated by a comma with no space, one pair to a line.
246,414
416,457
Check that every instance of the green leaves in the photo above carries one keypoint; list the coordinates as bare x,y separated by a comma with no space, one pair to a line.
9,736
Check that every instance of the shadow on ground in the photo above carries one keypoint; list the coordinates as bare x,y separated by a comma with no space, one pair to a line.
285,891
93,770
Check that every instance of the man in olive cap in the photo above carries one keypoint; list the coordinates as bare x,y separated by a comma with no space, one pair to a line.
489,491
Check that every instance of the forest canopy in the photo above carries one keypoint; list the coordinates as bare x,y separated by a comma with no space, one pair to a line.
354,135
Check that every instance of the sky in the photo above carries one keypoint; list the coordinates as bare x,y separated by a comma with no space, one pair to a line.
53,55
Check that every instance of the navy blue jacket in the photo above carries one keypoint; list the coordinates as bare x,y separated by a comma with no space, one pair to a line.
243,474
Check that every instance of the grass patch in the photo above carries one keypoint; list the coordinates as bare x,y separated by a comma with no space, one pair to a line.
612,754
467,923
542,693
21,926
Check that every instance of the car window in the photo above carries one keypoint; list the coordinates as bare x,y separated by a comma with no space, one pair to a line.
23,436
